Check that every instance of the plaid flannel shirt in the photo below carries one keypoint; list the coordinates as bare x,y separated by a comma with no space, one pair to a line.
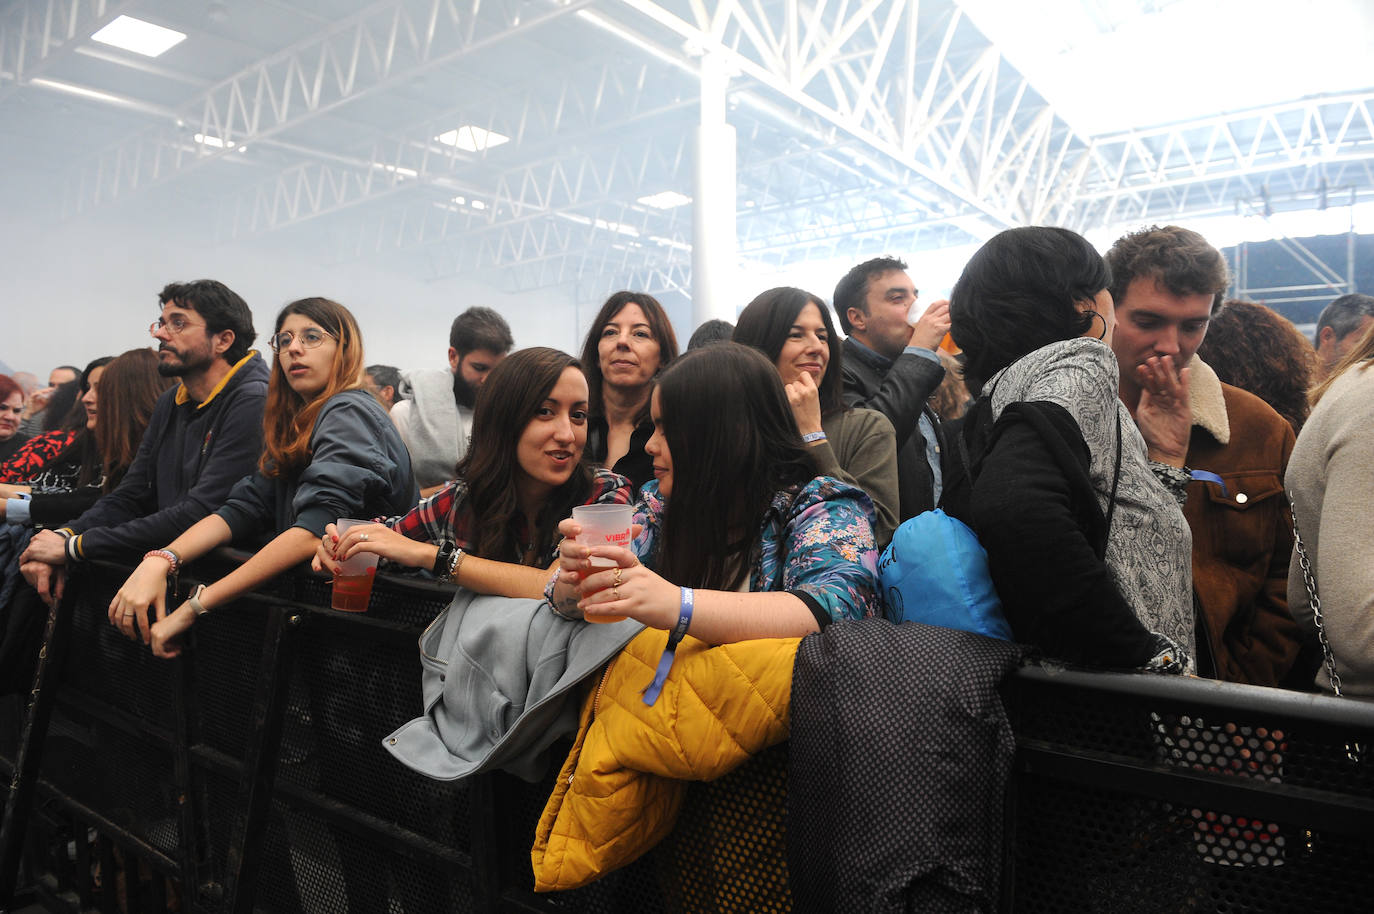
443,518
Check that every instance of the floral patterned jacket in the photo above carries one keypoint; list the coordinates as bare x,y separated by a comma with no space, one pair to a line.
816,543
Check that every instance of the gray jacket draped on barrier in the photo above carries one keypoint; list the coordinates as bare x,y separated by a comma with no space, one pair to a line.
499,680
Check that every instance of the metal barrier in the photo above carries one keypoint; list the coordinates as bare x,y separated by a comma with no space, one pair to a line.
249,775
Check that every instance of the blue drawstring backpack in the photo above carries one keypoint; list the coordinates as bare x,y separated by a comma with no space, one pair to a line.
935,571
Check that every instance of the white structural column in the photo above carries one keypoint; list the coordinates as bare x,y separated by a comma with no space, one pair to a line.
713,200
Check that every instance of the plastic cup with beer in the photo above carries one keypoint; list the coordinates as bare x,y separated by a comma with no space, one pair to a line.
353,583
604,525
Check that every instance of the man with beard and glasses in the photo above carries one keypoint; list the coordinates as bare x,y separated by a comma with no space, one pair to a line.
205,435
435,419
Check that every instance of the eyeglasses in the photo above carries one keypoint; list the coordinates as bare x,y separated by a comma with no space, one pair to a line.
310,338
176,324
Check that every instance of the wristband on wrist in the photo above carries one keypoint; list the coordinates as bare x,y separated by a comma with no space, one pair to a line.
665,663
194,599
813,437
443,559
172,559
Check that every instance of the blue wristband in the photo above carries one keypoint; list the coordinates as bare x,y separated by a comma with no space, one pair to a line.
665,663
1204,476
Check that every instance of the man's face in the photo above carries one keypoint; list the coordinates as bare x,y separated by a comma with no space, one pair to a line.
386,395
470,372
183,351
60,376
1331,348
886,327
473,367
1152,321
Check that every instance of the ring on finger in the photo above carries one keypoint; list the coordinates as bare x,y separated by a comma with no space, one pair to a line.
615,591
363,537
617,576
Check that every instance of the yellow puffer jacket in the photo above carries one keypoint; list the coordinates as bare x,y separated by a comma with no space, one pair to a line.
622,785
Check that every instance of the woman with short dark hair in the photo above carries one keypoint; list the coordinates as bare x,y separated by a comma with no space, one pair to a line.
629,342
793,329
739,533
1086,539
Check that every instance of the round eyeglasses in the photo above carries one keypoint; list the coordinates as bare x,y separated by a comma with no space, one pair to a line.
175,324
310,338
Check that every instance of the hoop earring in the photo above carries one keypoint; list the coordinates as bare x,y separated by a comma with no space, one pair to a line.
1103,334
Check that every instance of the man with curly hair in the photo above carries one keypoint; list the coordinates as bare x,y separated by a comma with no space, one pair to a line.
1167,284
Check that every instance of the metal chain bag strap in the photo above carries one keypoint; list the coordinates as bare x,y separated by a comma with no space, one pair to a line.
1355,751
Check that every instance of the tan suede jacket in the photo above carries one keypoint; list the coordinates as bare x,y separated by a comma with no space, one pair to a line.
1242,539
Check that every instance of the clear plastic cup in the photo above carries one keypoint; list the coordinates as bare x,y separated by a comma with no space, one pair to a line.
604,525
353,583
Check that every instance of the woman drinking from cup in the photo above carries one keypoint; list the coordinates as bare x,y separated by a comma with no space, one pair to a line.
494,528
329,451
793,329
741,538
630,342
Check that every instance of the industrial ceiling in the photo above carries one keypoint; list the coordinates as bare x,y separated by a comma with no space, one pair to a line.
532,142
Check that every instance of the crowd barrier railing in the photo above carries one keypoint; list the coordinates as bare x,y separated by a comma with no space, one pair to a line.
249,775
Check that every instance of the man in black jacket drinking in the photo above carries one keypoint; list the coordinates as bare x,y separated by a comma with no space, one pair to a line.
890,365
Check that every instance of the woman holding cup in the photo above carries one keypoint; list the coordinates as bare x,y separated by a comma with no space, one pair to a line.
494,529
858,446
329,450
768,549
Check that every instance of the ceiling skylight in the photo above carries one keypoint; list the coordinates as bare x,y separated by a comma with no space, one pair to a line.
138,36
471,138
206,139
665,199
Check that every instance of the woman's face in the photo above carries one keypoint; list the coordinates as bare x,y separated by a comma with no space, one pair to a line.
551,444
807,347
10,411
90,399
657,448
627,350
306,368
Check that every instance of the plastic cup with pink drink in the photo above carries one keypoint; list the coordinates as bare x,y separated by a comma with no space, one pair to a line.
353,582
604,525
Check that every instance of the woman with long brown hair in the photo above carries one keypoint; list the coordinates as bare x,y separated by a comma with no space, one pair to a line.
494,529
329,451
741,536
629,343
59,474
793,329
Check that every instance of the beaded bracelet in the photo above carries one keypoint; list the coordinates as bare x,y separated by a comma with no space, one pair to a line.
172,558
453,565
